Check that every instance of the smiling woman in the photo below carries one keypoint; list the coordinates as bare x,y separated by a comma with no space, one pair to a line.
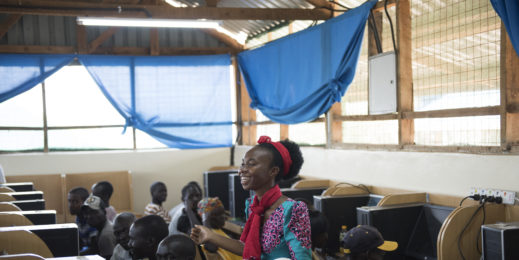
276,225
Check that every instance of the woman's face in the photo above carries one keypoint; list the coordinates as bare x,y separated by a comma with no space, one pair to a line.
256,171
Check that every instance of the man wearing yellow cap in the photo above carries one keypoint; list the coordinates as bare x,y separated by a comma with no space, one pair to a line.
366,243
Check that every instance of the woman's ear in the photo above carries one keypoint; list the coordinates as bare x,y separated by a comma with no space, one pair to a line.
274,171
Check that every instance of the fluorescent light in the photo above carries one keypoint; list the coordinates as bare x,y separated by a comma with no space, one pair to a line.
147,22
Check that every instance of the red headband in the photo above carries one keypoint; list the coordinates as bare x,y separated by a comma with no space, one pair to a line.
285,155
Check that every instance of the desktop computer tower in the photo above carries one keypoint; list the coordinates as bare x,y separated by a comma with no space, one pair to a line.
216,184
237,197
500,241
339,210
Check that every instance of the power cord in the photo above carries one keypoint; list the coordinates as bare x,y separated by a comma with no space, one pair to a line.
361,186
475,197
466,226
391,25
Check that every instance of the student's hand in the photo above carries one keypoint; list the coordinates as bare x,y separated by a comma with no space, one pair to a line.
201,234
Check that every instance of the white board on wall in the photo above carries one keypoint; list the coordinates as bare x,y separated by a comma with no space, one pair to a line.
382,83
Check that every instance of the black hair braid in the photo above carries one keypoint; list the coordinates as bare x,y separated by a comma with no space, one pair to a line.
277,160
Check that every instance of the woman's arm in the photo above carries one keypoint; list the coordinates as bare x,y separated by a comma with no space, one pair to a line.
297,232
201,235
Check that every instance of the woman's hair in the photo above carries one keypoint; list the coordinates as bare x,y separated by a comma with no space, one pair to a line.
277,160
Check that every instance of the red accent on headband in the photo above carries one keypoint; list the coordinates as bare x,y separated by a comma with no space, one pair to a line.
285,155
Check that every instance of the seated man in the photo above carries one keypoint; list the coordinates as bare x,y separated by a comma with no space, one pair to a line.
104,190
145,236
187,217
76,197
103,244
122,225
176,247
366,243
212,212
159,193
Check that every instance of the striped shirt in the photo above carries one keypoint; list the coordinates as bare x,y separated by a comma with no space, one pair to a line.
154,209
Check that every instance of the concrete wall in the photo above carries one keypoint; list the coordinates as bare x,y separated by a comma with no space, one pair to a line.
443,173
174,167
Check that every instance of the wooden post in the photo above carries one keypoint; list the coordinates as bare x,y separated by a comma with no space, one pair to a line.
404,72
248,116
81,38
334,127
154,42
509,93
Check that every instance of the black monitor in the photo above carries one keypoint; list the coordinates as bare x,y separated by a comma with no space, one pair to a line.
37,217
339,210
62,239
237,197
216,184
306,193
395,223
19,186
27,195
422,243
29,204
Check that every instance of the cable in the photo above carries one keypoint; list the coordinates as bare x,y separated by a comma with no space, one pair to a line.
361,186
479,233
461,202
373,25
391,25
465,228
339,4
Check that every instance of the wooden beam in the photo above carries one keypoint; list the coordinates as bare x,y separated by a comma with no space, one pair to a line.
8,23
321,4
36,49
248,115
366,117
509,92
102,38
404,72
91,9
229,41
211,3
154,42
110,50
457,112
379,7
81,38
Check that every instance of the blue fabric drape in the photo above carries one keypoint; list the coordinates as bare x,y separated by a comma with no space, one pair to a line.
184,102
299,77
508,10
20,72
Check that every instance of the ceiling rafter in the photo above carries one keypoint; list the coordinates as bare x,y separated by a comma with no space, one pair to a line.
73,8
9,22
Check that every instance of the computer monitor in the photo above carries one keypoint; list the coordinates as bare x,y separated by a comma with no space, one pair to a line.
37,217
500,240
27,195
216,184
19,186
62,239
423,240
30,204
307,193
339,210
237,197
395,223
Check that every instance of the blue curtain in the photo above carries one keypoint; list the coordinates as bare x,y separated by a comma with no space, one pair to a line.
20,72
299,77
508,10
184,101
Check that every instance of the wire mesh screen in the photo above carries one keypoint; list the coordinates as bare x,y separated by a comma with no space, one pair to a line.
456,52
458,131
370,132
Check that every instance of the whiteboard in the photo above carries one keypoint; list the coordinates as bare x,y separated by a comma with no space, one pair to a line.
382,83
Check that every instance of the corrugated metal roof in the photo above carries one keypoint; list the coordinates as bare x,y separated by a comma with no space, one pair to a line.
61,31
